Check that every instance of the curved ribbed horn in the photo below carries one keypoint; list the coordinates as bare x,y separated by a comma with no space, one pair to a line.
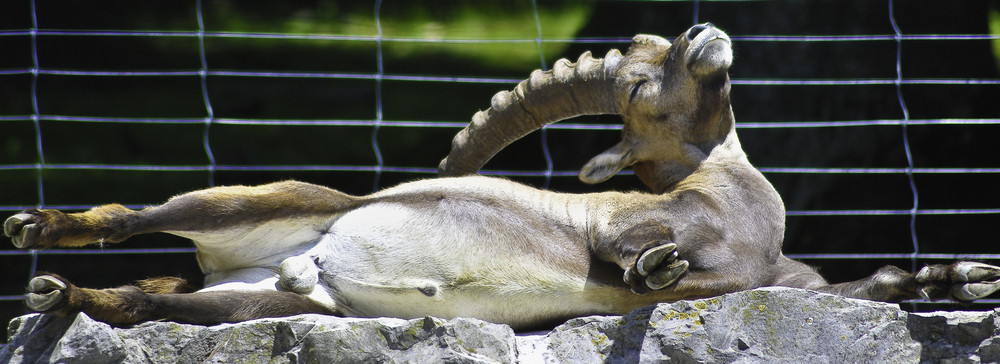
569,89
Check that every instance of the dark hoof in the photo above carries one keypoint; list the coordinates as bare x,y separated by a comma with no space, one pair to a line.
23,230
44,293
982,280
656,268
668,275
650,259
968,281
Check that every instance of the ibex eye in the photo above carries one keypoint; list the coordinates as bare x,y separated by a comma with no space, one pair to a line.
635,89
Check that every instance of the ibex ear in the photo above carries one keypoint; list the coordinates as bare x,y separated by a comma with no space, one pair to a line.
647,49
607,164
648,40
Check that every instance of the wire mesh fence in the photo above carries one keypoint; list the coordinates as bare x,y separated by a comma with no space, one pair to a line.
874,120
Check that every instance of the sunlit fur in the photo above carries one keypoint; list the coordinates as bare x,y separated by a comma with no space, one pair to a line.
488,247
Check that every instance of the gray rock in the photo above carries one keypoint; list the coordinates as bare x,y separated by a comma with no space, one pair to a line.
772,325
766,325
305,338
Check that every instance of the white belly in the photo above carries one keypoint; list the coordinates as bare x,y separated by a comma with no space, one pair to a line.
387,260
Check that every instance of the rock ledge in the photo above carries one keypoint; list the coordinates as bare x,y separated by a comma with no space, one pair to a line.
763,325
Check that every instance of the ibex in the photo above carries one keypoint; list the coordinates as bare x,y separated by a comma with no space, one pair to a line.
487,247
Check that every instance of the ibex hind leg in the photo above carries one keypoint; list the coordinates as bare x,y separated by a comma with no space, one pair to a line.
35,228
50,293
961,281
214,210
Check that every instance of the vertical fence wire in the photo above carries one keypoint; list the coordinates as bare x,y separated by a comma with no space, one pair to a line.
378,96
545,67
906,138
697,8
36,121
210,114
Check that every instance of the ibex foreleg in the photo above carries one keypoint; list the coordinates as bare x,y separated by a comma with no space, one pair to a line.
648,255
126,305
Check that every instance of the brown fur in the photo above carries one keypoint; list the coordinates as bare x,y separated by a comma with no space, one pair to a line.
723,216
162,299
164,285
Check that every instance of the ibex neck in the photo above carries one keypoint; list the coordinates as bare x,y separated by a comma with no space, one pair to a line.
664,176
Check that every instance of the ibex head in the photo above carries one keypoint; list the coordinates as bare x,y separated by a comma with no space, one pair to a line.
673,98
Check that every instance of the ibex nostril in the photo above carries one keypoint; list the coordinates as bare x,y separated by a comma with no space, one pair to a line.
697,29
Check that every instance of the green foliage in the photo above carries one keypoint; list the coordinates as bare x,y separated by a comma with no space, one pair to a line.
994,22
417,29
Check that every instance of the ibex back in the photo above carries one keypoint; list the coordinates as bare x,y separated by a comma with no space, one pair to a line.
487,247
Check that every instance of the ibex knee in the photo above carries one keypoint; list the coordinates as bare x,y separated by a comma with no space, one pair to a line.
298,274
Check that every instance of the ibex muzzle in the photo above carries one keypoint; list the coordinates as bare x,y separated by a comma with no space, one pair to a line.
487,247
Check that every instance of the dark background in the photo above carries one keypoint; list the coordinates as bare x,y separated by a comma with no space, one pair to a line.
410,29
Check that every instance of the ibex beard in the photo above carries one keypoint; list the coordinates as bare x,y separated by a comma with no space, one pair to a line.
490,248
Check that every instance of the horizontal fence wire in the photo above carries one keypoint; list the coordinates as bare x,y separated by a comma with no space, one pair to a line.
419,78
206,70
390,39
462,124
